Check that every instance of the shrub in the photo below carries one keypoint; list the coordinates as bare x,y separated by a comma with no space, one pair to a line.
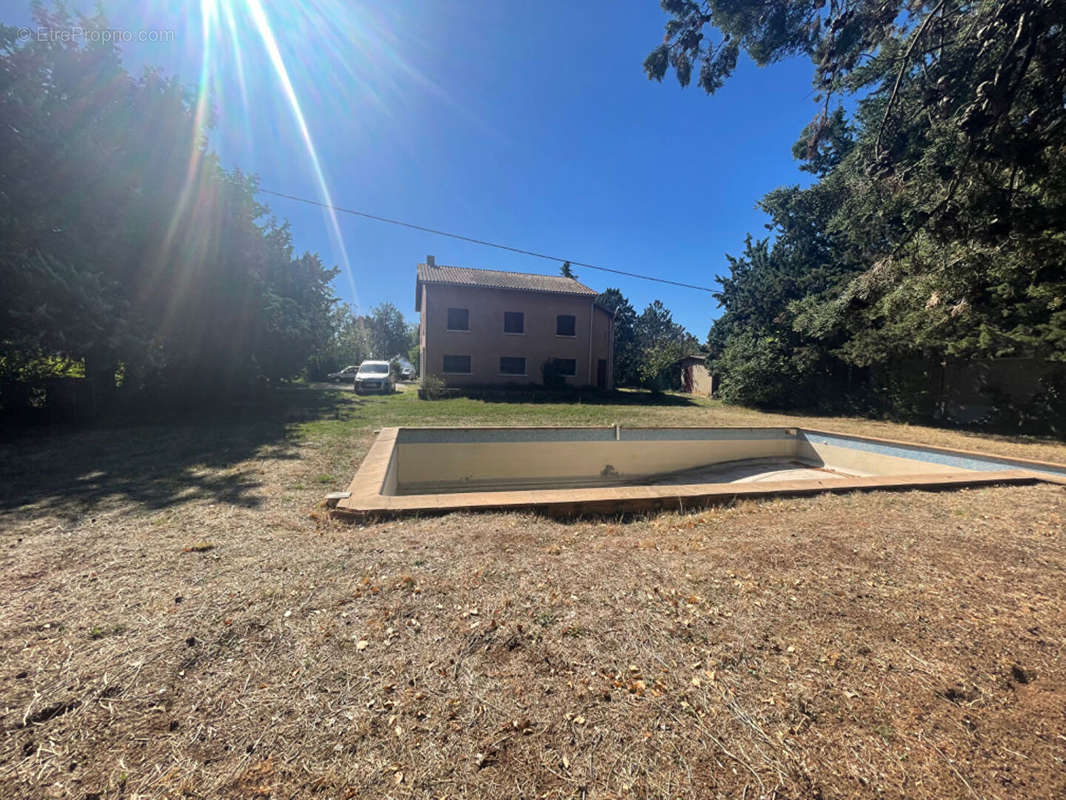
432,388
658,369
757,371
551,374
1043,414
1047,411
909,390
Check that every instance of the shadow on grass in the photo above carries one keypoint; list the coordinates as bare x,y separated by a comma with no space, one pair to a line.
616,398
162,463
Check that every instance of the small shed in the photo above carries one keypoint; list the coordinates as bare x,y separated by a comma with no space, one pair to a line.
695,377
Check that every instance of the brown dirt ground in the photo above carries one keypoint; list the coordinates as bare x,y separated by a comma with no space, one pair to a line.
215,636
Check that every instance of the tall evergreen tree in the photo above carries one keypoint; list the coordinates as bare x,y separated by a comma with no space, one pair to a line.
626,349
937,227
390,335
661,342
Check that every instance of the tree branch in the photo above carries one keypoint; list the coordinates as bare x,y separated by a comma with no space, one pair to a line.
902,70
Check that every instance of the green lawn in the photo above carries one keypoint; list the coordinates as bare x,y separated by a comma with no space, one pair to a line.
632,408
404,408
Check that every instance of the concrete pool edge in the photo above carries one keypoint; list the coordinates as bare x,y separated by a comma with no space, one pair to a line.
370,493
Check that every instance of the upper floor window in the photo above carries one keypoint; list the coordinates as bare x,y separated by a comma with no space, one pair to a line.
566,325
458,319
514,322
512,365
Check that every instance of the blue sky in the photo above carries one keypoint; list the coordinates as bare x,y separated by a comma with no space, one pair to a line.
530,124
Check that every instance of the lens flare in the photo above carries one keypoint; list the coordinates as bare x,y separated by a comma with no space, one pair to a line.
208,22
278,69
266,36
187,196
235,48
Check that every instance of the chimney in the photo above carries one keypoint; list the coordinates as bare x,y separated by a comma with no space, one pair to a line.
431,261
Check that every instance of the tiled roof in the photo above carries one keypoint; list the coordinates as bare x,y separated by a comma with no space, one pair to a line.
498,279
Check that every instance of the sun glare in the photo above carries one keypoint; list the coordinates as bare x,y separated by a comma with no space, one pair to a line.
235,37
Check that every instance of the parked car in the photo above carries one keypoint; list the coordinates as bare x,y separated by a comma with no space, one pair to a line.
374,376
407,373
346,374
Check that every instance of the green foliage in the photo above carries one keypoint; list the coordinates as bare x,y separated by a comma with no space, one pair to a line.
127,244
906,389
626,348
757,371
414,352
661,342
27,366
1045,412
433,387
566,271
389,334
937,227
382,335
348,344
646,347
824,144
551,375
659,370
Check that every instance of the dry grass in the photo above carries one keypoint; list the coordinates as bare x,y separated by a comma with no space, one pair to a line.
198,630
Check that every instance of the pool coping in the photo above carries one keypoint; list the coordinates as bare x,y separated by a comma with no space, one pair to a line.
366,500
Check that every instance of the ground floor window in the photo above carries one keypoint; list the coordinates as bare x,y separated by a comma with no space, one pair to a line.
566,366
457,365
512,365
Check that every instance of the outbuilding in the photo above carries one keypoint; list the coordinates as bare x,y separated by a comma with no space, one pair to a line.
695,377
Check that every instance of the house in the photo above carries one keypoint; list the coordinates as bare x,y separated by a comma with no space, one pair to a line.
484,327
695,378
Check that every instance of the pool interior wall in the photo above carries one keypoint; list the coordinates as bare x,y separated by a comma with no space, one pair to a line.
456,460
412,469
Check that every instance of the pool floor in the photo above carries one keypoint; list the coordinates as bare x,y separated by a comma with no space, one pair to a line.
748,472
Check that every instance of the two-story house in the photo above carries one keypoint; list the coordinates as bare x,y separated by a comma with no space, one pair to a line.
484,327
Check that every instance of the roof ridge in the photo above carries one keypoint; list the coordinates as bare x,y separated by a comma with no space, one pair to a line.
470,276
493,269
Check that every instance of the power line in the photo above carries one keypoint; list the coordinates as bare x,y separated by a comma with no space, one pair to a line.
459,236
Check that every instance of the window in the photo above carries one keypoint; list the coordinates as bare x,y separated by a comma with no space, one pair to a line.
566,325
457,365
514,322
512,365
458,319
566,366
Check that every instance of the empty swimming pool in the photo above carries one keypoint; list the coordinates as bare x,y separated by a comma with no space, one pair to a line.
411,470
